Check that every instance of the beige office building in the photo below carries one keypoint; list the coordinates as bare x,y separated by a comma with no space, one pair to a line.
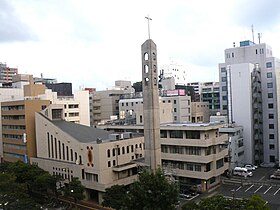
192,153
100,159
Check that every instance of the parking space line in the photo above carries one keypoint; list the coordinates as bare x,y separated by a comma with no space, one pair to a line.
238,188
267,190
276,191
258,188
261,178
249,188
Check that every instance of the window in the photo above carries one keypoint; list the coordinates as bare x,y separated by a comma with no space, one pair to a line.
224,88
123,150
108,153
163,134
141,119
271,126
224,79
270,95
270,106
271,136
270,116
175,118
220,163
114,162
175,101
225,107
232,55
271,147
272,158
176,134
269,74
109,164
175,110
268,64
114,152
224,98
223,69
127,149
269,85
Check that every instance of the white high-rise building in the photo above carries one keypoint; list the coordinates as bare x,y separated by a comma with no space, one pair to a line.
176,71
248,95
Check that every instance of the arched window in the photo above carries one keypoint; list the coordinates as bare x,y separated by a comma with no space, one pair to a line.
146,56
146,69
154,56
108,153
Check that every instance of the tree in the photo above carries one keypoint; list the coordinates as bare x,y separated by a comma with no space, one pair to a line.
75,190
137,86
115,197
152,191
256,203
219,202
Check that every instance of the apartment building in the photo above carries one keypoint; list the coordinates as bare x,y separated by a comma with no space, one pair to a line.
105,103
195,154
18,128
176,71
173,108
248,79
7,73
100,159
200,112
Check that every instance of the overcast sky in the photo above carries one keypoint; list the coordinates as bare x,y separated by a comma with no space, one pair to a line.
93,43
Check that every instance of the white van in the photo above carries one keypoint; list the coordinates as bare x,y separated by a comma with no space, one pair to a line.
239,171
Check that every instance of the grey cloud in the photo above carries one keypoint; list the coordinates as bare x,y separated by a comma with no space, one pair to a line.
262,14
11,27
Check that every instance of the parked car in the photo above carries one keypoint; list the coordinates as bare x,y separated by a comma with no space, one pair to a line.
241,171
275,175
250,167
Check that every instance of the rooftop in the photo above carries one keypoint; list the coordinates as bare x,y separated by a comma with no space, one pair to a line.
82,133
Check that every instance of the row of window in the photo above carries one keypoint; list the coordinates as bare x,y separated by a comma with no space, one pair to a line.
123,150
13,117
58,150
188,150
181,165
179,134
14,127
132,103
16,107
12,136
267,64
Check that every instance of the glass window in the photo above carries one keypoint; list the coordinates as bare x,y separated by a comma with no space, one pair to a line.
175,101
270,116
224,98
176,134
224,79
223,69
269,74
268,64
224,88
270,106
270,95
271,126
269,85
271,136
271,146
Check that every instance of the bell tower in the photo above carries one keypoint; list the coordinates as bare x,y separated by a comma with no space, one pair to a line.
151,104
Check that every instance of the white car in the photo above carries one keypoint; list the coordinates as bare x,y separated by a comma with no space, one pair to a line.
250,167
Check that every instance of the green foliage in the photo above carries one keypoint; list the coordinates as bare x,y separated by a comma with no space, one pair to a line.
152,191
115,197
256,203
22,185
137,86
219,202
75,190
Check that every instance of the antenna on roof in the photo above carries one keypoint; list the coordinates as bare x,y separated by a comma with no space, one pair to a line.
259,37
252,27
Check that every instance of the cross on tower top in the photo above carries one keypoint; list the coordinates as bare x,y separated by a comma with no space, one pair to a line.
148,18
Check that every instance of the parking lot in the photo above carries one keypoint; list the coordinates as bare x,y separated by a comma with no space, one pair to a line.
240,187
